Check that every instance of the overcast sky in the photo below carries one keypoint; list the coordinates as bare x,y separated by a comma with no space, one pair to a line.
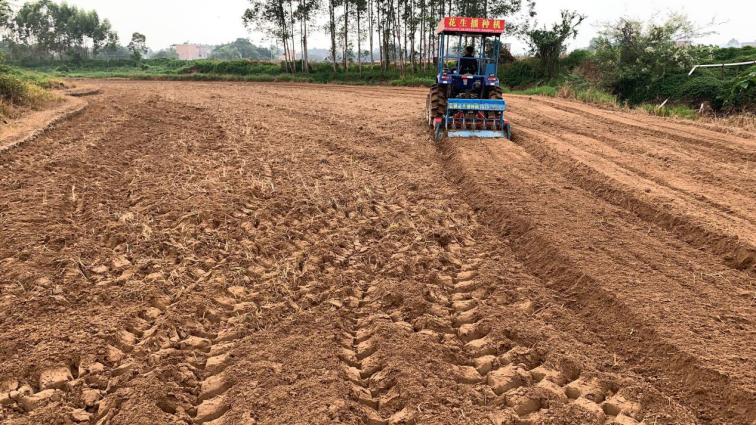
167,22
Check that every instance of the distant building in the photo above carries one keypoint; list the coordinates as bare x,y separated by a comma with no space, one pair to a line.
191,52
748,44
684,43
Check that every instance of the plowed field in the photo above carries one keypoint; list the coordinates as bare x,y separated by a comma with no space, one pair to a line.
247,253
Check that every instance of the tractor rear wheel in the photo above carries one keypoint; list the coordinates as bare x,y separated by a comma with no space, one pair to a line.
495,92
436,104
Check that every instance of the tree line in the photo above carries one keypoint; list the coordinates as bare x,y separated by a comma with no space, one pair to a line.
398,33
402,30
44,29
392,33
242,48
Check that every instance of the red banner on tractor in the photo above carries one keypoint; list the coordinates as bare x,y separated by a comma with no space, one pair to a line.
471,25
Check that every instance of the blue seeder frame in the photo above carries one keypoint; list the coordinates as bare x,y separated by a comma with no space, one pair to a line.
475,127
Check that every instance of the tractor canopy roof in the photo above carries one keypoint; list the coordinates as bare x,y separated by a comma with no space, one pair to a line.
473,26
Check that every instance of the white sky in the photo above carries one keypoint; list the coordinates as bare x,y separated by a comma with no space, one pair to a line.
167,22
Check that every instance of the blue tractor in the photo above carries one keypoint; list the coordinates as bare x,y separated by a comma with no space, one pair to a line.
466,100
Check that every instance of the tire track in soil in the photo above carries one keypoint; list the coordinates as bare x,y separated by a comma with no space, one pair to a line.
341,260
725,231
371,384
702,186
373,388
507,377
514,378
364,361
207,355
83,371
615,133
71,377
737,253
201,357
174,344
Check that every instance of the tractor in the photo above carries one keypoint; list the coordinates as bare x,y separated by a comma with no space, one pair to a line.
466,100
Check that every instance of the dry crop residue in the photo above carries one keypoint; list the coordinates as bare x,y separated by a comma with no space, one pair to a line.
235,253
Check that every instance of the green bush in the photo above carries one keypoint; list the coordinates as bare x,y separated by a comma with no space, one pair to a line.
13,90
413,82
729,54
522,73
18,89
701,88
741,92
595,96
575,59
679,111
237,67
537,91
528,72
660,89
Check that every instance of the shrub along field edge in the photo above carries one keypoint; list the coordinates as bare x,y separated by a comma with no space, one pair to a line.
24,90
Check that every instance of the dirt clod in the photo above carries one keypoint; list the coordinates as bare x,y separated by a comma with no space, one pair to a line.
34,401
55,378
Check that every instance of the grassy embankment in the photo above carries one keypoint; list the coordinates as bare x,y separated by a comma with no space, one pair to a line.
23,90
238,70
242,70
600,98
674,93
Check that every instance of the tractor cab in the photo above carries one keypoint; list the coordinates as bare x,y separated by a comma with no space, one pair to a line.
469,53
466,99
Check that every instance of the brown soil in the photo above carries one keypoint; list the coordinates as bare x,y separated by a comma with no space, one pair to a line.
250,253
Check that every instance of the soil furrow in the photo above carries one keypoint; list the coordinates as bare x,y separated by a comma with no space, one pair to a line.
724,241
522,217
738,147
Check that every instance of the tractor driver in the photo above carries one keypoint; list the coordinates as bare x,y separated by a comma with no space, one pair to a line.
468,64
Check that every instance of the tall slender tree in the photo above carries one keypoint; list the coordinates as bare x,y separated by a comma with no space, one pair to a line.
360,6
307,10
346,4
273,17
332,4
